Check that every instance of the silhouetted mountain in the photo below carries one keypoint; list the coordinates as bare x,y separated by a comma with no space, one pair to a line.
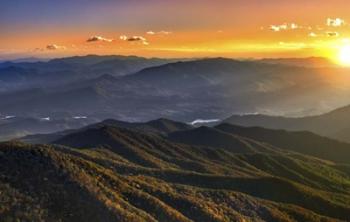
11,62
224,85
158,126
119,174
162,126
302,141
226,136
211,137
184,91
167,126
70,69
334,124
112,64
29,59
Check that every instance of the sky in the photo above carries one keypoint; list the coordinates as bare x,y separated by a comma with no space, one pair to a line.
169,28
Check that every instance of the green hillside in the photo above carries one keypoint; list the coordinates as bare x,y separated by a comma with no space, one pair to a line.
116,174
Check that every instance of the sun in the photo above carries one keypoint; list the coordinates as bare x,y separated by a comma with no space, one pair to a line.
344,55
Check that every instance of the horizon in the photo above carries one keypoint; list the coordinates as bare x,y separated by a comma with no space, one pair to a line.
167,29
155,57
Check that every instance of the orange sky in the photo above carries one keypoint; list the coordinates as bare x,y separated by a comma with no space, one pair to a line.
180,28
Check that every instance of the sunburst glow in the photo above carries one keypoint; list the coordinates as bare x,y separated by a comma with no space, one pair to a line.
344,55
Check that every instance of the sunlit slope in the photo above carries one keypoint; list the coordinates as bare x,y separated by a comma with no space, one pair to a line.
125,175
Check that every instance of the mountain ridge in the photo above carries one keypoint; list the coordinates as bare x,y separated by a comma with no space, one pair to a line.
132,175
333,124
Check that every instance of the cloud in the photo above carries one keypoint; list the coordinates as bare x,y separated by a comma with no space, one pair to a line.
164,32
332,34
97,38
336,22
294,26
285,26
312,34
159,33
203,121
123,37
277,28
38,50
55,47
324,34
134,38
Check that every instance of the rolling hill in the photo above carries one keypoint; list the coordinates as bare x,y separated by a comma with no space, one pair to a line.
159,126
299,141
119,171
120,174
334,124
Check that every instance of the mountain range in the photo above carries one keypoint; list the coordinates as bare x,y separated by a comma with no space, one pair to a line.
126,138
103,87
210,88
164,170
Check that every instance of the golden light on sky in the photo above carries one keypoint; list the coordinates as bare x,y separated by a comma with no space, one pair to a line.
180,28
344,55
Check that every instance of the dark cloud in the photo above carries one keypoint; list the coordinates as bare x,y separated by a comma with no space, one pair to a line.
136,38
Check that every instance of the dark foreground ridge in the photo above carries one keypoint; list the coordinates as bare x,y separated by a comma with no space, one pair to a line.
113,173
333,124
